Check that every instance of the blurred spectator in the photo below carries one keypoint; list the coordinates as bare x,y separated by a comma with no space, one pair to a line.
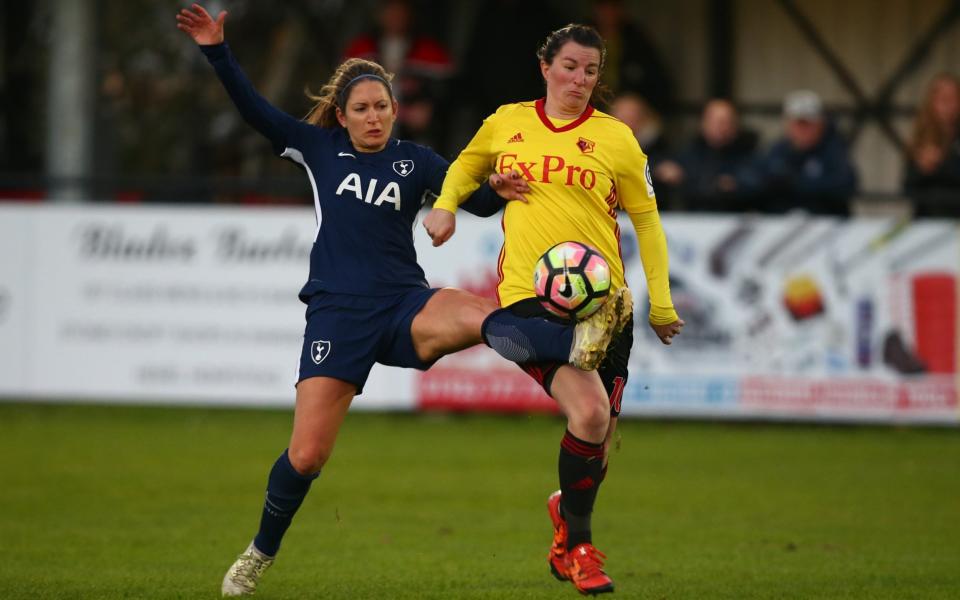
933,169
422,67
647,126
645,122
633,63
810,167
500,64
717,171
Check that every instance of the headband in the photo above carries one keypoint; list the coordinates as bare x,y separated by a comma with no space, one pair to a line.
342,96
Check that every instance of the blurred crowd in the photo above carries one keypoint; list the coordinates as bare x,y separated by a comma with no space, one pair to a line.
724,167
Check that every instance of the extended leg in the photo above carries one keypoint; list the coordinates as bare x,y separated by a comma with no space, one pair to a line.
453,320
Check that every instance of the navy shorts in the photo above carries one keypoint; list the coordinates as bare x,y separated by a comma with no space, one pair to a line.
346,334
613,370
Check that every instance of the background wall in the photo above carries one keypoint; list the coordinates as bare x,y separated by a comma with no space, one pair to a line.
161,118
771,57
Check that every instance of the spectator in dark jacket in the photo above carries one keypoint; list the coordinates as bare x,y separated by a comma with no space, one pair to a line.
810,168
933,170
716,172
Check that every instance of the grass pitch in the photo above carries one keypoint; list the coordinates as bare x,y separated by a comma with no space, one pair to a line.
128,502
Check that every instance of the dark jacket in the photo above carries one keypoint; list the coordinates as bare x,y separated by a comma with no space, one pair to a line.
820,180
936,194
704,165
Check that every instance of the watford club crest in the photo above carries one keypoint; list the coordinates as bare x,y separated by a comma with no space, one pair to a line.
585,145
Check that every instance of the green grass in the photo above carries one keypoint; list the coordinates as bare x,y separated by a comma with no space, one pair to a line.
128,502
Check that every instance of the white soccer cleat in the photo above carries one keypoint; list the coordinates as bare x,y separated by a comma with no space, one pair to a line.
592,335
244,574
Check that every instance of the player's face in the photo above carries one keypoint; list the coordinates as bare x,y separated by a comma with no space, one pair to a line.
369,116
571,77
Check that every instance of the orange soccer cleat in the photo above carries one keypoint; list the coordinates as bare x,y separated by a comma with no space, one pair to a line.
558,551
584,567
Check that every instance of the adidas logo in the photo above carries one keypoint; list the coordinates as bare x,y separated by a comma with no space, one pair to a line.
516,138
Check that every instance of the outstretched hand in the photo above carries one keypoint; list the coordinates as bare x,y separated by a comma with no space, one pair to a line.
666,332
510,186
199,25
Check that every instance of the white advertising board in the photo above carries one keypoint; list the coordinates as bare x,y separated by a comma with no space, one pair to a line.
786,317
789,317
162,304
16,308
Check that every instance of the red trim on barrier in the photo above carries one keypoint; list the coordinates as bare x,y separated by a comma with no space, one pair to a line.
935,320
469,389
795,395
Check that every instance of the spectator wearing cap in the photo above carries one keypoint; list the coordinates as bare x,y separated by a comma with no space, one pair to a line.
810,167
716,171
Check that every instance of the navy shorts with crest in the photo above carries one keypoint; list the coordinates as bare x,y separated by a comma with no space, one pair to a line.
346,334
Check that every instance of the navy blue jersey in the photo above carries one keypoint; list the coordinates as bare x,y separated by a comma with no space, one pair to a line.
366,202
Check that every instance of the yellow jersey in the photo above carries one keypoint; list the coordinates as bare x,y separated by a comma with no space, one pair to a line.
580,172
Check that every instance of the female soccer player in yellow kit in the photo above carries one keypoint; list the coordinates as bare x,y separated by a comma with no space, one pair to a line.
581,166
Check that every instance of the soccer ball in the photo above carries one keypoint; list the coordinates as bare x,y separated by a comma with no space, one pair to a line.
572,280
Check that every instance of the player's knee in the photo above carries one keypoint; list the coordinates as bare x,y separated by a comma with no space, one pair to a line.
599,417
592,416
308,459
475,311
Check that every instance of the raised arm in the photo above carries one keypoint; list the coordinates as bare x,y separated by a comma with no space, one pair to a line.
277,126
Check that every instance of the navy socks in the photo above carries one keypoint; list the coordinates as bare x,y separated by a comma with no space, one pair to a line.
522,340
286,489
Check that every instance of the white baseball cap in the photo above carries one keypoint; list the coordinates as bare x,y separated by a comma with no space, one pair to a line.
803,104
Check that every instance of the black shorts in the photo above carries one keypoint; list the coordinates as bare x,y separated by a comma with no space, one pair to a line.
613,370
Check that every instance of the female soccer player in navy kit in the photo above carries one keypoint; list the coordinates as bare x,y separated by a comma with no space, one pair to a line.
367,298
582,166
